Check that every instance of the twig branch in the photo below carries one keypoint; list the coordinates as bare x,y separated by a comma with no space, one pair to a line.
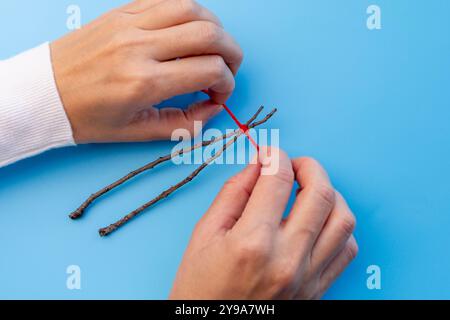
86,204
80,211
261,122
255,116
251,124
113,227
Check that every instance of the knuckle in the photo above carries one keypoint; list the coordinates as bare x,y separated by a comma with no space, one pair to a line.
230,85
135,89
251,251
285,174
284,276
352,250
139,78
326,194
137,82
119,41
210,32
256,247
218,67
232,184
347,224
188,8
239,55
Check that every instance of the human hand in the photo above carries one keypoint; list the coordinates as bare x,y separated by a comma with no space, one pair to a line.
243,249
112,72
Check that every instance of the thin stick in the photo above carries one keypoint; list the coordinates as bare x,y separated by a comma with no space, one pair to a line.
255,116
80,211
261,122
86,204
113,227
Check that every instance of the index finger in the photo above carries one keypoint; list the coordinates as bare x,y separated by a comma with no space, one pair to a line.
312,206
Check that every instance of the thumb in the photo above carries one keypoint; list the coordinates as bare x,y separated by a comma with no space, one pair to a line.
171,119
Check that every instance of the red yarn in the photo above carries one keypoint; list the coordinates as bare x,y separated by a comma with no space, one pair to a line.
241,126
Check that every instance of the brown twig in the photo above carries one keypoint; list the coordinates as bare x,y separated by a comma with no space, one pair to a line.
255,116
261,122
80,211
251,124
113,227
86,204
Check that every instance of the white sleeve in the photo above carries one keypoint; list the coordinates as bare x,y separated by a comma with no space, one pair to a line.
32,116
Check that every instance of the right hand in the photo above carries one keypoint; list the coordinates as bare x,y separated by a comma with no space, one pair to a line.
112,72
243,249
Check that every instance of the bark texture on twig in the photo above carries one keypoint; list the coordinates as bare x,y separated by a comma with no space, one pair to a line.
113,227
89,201
251,124
81,210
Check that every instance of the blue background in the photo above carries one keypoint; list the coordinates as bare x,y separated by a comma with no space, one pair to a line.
372,106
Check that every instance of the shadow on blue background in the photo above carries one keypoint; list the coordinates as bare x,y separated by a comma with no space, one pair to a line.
372,106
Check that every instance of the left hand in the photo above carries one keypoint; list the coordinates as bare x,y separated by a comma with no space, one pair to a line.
112,72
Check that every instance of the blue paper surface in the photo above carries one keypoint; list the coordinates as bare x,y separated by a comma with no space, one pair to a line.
372,106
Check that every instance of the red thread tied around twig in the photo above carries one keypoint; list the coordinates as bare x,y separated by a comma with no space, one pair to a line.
241,126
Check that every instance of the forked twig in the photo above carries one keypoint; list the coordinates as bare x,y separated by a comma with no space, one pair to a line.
255,116
89,201
261,122
251,124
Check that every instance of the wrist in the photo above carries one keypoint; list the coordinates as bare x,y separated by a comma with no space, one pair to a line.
70,92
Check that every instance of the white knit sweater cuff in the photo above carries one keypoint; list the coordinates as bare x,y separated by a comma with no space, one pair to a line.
32,116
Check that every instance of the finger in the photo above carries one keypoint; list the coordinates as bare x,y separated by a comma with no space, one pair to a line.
154,124
313,205
194,39
174,12
231,202
271,194
334,236
140,5
194,74
338,266
171,119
